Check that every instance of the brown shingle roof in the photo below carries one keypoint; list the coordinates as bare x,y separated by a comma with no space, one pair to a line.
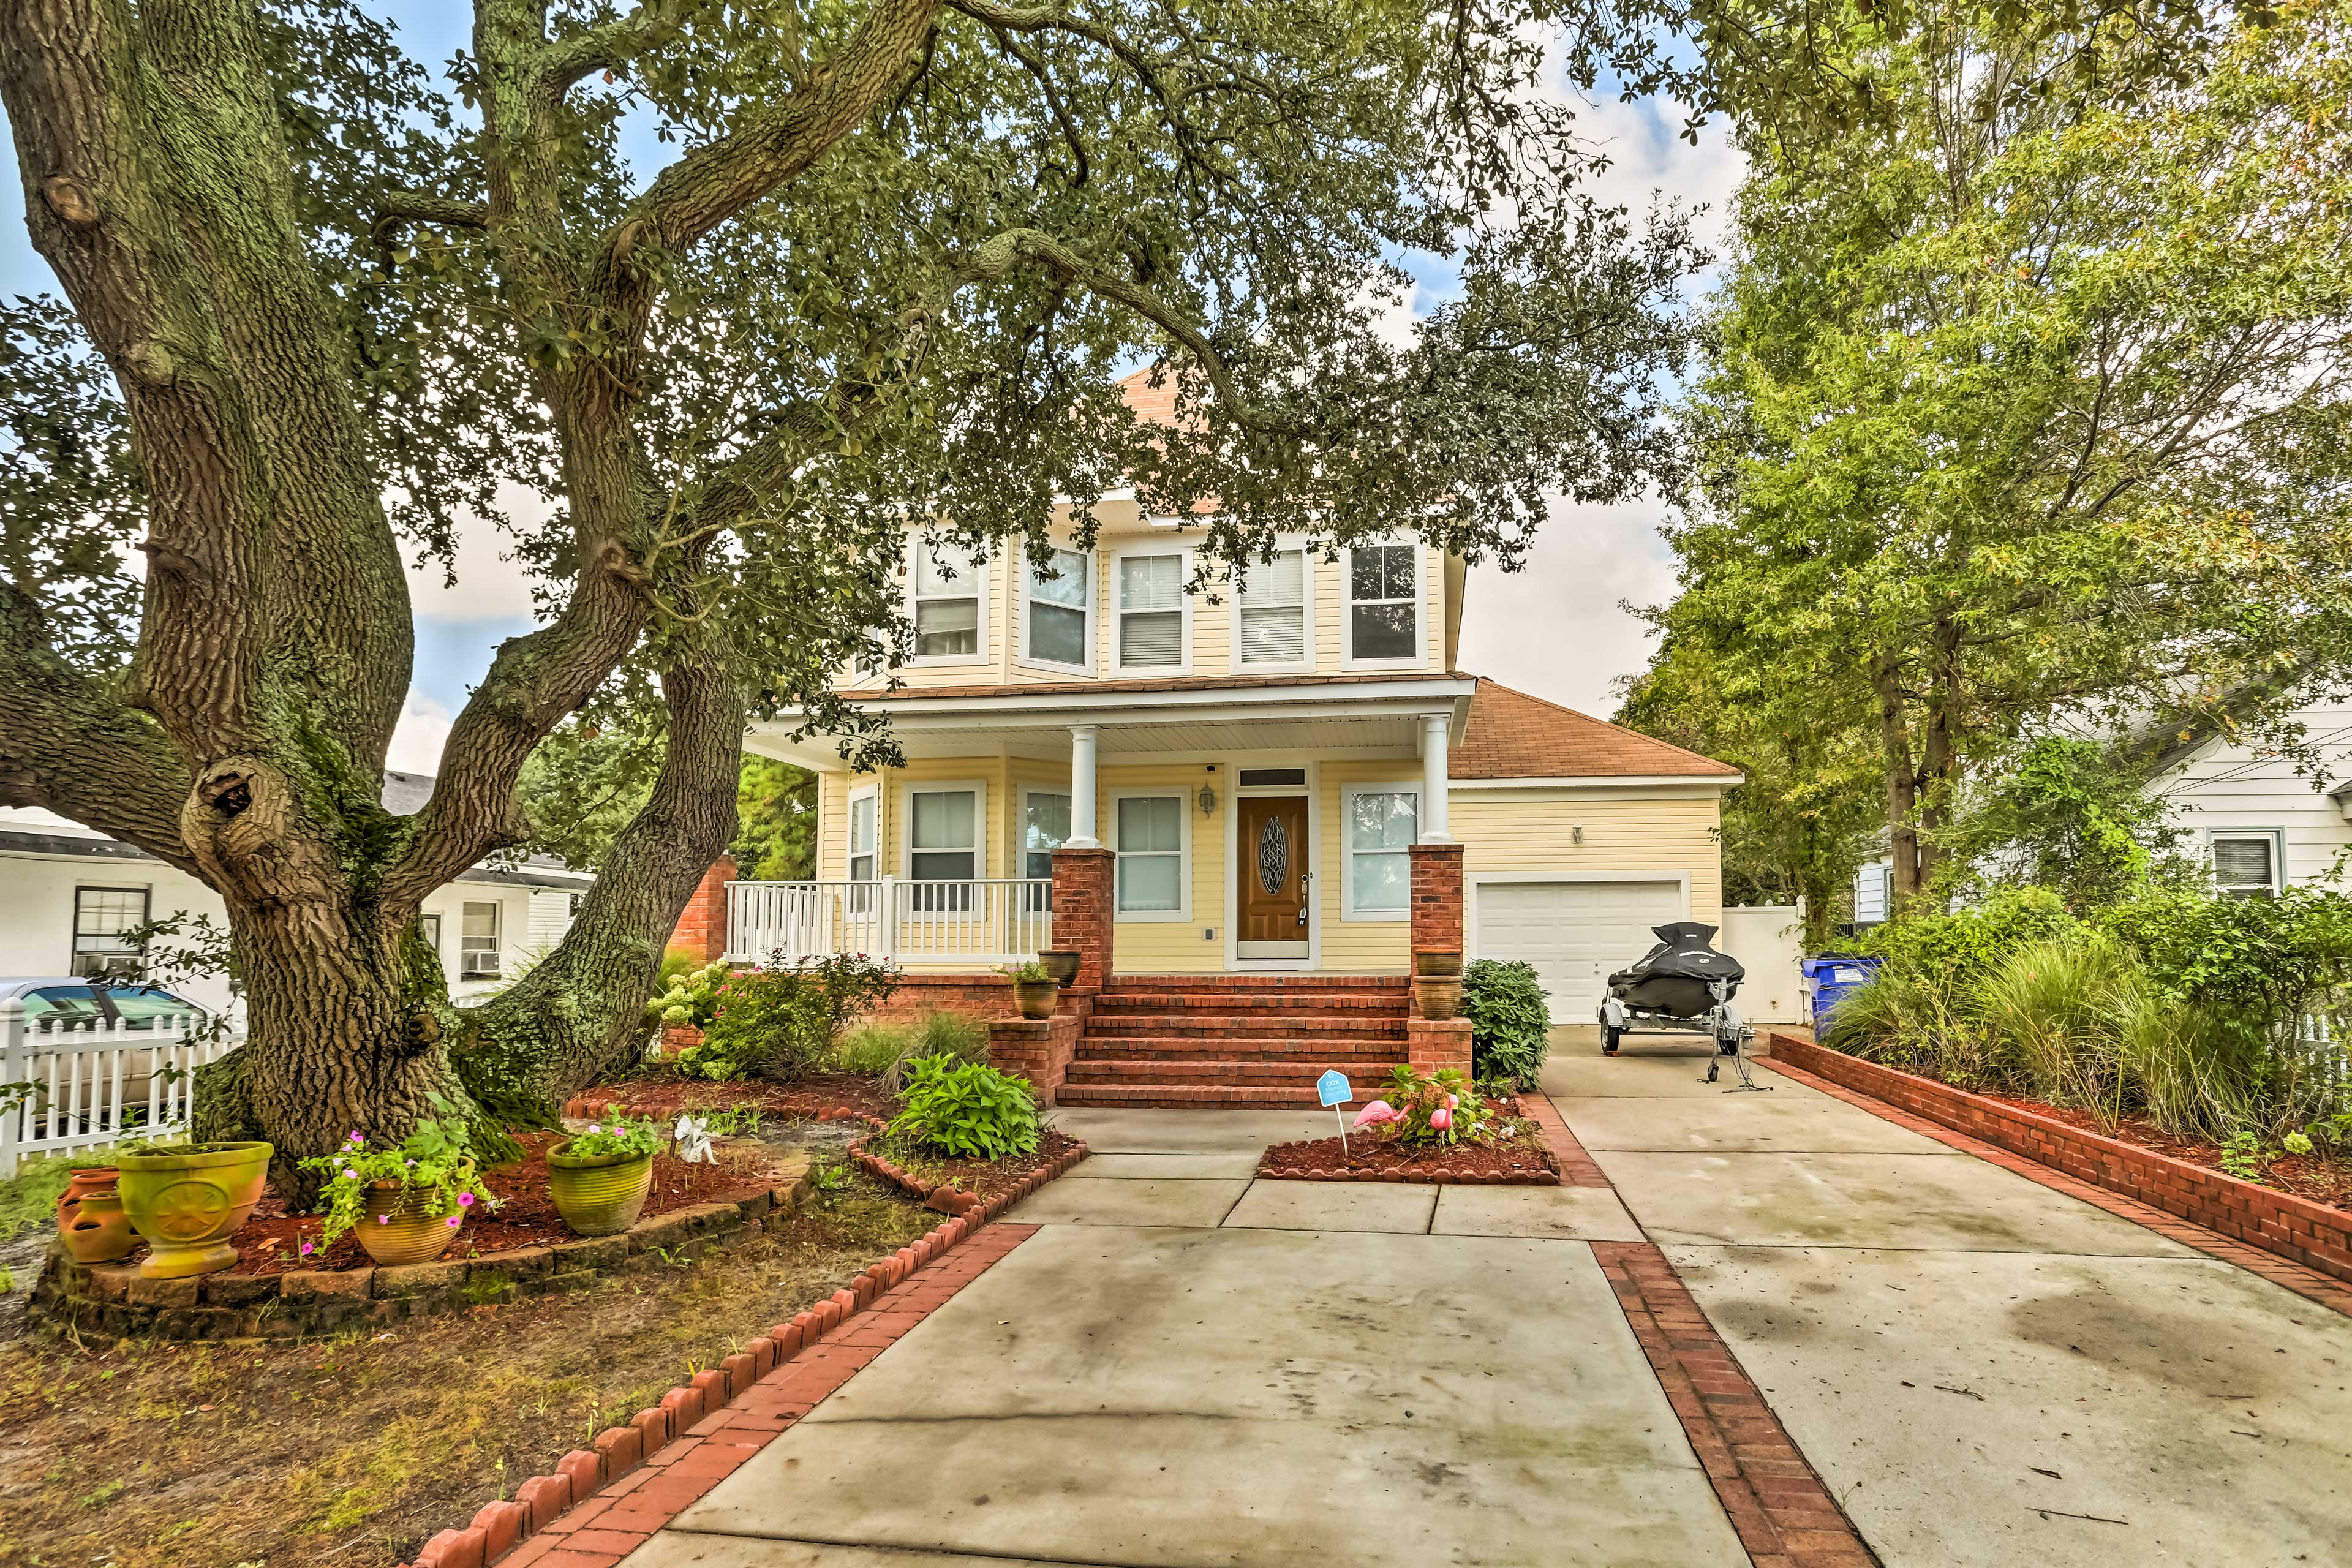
1512,735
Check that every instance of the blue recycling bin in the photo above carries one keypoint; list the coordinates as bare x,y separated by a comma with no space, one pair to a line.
1829,976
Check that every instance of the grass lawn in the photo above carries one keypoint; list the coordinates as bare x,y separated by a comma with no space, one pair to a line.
353,1451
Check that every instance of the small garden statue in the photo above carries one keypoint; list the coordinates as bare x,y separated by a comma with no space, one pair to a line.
693,1136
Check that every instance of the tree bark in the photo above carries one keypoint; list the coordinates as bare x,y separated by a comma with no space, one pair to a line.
1902,785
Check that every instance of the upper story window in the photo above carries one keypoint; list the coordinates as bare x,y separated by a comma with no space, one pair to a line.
1383,602
2246,865
1060,619
1271,622
951,606
1151,611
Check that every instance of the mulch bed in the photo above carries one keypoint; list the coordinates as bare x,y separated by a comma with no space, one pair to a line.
819,1095
1519,1159
980,1179
271,1241
2316,1177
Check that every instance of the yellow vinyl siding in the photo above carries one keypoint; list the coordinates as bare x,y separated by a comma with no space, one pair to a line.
1355,946
1631,836
1173,947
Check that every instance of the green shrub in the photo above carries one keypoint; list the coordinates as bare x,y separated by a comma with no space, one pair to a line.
886,1051
2265,961
686,997
967,1110
1429,1109
783,1022
1510,1021
1973,939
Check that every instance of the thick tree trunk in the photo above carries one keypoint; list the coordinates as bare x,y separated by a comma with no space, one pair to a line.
1902,787
578,1013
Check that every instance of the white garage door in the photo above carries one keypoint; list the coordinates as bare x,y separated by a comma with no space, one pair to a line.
1575,933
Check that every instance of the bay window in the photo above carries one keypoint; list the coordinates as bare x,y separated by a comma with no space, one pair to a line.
1060,626
1150,612
951,603
1270,626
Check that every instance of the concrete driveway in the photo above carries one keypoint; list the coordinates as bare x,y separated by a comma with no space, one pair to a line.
1189,1367
1983,1369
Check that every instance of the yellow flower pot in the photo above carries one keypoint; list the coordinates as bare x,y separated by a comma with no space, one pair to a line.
598,1195
400,1226
187,1200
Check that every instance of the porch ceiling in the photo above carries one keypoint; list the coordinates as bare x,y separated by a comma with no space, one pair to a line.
1338,718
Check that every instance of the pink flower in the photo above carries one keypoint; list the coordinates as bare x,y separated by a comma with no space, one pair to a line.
593,1128
383,1219
356,1138
466,1198
1440,1119
455,1220
307,1249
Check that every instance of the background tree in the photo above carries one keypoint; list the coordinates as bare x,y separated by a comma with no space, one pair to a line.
906,248
2022,412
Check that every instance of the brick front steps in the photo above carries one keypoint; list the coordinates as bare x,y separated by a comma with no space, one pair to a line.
1234,1041
2304,1246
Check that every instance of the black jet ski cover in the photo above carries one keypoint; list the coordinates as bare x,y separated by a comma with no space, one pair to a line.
1674,976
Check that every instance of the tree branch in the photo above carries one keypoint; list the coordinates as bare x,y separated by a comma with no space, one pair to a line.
396,207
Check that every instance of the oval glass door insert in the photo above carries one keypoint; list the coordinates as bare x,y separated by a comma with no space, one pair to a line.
1273,858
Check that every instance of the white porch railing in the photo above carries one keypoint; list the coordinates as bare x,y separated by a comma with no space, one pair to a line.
995,920
69,1086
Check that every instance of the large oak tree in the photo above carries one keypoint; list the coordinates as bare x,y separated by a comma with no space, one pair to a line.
322,308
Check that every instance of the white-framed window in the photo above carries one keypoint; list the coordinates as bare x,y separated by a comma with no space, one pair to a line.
429,928
942,823
101,915
1044,827
864,833
478,941
1385,604
1057,623
2246,865
1376,837
947,602
1155,629
1152,832
1273,623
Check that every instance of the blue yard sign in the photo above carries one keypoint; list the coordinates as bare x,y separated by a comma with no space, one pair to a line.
1332,1090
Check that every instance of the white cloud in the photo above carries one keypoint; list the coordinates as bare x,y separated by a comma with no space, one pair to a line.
1554,628
418,740
490,585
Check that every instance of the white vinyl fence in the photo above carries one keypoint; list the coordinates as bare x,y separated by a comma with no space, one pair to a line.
2323,1039
66,1086
987,922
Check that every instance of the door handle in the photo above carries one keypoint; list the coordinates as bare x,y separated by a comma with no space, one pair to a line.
1302,914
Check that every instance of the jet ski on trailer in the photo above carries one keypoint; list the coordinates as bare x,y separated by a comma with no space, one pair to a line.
1680,986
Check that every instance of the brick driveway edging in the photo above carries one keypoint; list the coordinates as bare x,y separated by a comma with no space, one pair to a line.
2291,1241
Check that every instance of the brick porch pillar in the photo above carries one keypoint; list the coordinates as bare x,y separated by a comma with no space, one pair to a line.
1436,895
702,928
1082,912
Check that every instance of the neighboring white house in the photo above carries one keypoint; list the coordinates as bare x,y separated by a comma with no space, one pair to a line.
2258,823
67,893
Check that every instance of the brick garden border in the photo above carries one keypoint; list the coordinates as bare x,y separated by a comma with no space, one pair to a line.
2292,1241
605,1500
114,1299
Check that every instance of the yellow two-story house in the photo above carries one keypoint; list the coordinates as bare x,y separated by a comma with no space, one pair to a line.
1258,760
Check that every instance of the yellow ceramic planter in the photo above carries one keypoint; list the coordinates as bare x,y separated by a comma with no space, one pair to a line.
401,1228
598,1195
187,1199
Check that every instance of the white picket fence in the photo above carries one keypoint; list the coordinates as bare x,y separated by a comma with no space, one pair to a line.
70,1086
986,921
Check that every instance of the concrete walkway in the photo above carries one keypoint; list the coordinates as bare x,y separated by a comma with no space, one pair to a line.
1188,1367
1971,1359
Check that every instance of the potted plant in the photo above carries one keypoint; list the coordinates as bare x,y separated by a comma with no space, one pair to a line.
1438,965
599,1178
406,1205
91,1221
1060,965
187,1199
1439,995
1033,991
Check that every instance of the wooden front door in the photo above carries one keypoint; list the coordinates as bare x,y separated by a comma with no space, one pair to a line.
1271,847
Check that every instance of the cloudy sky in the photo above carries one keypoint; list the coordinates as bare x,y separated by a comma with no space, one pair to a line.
1553,628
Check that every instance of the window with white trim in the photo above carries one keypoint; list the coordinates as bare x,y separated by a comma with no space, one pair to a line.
1273,610
1383,601
865,820
1150,612
478,942
1045,827
101,915
1148,834
2246,865
429,927
1381,824
951,594
1061,617
943,835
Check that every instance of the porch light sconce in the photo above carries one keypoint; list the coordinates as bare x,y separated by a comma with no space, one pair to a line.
1208,799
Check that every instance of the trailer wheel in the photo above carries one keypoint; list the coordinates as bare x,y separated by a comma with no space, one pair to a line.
1608,1039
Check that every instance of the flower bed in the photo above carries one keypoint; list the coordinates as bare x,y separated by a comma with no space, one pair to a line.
1519,1158
2317,1177
820,1096
954,1186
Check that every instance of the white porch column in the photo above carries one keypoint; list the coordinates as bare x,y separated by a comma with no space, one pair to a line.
1082,788
1433,781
